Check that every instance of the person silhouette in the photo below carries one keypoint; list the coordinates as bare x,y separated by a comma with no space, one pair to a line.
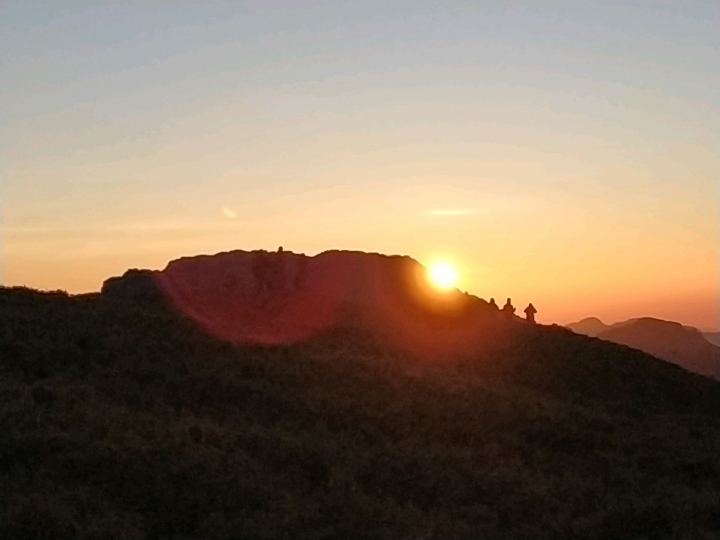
493,304
508,308
530,312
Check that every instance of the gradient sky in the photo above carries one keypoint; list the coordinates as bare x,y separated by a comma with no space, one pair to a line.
561,152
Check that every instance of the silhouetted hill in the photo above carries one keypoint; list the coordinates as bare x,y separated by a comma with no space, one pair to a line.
135,285
670,341
281,297
591,326
123,418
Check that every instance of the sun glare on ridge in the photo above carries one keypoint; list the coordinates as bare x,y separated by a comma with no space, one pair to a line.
442,275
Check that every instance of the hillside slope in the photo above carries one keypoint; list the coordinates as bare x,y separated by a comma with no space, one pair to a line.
123,419
713,337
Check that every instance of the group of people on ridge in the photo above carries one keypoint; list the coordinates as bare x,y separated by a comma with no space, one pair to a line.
509,310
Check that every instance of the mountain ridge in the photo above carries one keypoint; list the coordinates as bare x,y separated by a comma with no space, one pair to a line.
671,341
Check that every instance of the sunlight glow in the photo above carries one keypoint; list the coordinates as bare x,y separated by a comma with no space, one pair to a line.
442,275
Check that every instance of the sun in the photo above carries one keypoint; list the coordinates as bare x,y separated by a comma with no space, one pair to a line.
442,275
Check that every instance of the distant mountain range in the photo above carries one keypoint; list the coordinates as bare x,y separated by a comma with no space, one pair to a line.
670,341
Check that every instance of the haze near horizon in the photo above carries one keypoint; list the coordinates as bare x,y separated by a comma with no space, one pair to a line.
564,153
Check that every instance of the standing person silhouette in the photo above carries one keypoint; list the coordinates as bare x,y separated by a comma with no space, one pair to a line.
493,304
508,309
530,312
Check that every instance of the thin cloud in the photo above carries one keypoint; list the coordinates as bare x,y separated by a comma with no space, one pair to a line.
229,213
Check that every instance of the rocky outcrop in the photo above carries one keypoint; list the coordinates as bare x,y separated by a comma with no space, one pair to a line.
283,297
138,285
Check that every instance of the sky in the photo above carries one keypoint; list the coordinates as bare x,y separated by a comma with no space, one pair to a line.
565,153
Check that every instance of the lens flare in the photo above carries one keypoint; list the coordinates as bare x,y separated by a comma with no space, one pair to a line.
442,275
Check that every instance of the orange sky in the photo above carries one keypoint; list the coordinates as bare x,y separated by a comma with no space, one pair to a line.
554,153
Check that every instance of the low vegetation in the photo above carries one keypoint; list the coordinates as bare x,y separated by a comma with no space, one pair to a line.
123,420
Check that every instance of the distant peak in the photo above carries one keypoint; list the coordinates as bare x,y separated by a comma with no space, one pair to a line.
590,319
591,326
649,321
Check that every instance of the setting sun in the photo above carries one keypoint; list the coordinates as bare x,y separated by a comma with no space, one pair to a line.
442,275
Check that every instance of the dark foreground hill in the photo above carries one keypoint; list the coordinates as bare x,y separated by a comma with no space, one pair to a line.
121,419
712,337
682,345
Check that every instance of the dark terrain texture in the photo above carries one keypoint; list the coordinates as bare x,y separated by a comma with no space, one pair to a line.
121,419
713,337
